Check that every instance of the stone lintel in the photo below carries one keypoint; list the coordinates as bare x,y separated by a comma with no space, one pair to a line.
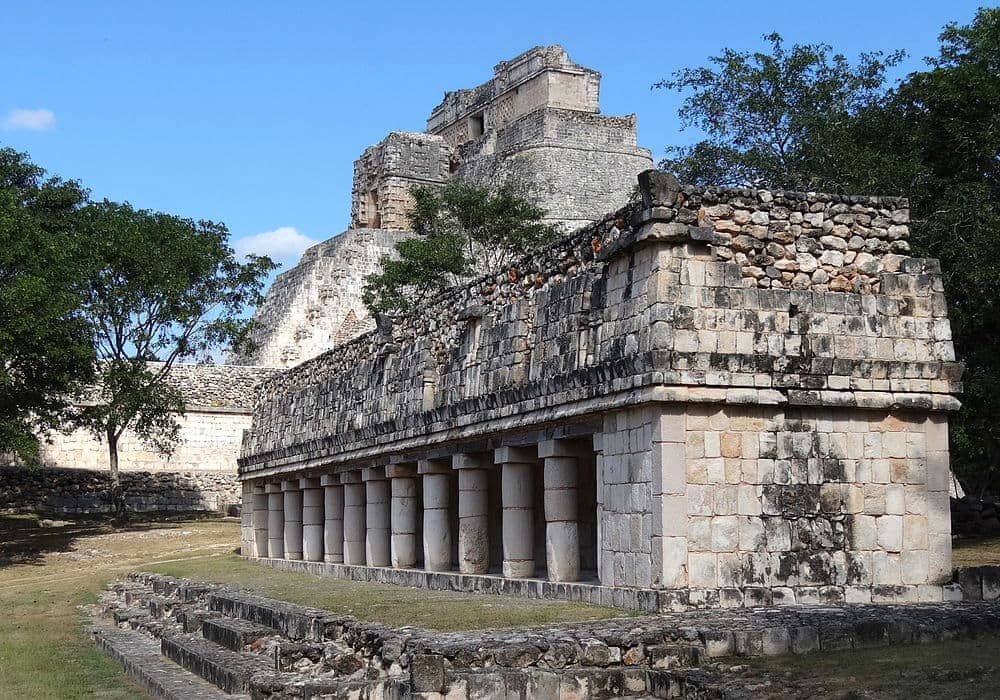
434,466
562,448
352,477
309,483
330,480
373,474
521,454
401,471
472,460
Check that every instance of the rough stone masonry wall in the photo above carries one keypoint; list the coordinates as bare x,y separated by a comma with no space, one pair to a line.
664,314
83,491
385,172
716,324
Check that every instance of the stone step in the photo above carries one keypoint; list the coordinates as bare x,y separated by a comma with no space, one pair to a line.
140,656
161,606
229,670
121,615
234,634
295,622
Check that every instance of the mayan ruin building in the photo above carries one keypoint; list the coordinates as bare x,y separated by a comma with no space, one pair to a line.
537,122
699,397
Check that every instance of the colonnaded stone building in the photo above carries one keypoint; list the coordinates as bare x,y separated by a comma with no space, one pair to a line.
711,397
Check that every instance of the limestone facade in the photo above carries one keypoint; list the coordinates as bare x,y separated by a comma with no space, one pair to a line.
538,123
637,406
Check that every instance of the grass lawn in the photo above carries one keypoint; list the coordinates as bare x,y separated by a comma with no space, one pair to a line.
975,551
393,605
959,670
45,573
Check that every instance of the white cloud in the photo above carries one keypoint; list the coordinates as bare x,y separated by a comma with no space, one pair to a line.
283,243
29,120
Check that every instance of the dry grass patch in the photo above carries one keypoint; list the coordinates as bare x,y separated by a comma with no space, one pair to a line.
957,670
976,551
45,573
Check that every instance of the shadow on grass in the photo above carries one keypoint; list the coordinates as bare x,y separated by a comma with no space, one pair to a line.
27,539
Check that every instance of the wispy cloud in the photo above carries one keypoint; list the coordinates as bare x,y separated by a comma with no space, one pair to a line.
282,244
29,120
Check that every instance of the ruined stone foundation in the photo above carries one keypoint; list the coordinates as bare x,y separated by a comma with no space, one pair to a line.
739,398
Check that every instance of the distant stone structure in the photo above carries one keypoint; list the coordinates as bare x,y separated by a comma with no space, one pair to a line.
536,124
199,475
219,402
316,305
736,397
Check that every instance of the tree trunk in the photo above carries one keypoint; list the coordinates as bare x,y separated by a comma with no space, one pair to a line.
118,509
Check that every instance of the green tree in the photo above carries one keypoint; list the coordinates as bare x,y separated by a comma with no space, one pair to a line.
166,289
945,123
935,137
45,342
772,117
463,229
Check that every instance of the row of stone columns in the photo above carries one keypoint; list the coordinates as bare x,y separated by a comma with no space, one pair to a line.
370,516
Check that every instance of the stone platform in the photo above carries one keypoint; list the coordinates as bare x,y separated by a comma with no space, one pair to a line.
266,648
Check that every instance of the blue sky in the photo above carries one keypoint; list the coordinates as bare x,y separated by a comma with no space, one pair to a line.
252,113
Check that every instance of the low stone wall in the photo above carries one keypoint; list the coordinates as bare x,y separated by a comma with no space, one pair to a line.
270,648
85,491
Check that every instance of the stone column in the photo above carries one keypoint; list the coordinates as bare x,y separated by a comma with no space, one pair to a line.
562,535
473,512
376,517
599,519
312,519
354,518
517,479
403,514
333,519
260,520
437,528
275,521
293,519
246,519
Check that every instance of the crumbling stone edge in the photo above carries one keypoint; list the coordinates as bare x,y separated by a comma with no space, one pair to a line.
968,583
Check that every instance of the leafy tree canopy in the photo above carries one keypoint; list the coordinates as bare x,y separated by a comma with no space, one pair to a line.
771,116
463,229
45,349
164,289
